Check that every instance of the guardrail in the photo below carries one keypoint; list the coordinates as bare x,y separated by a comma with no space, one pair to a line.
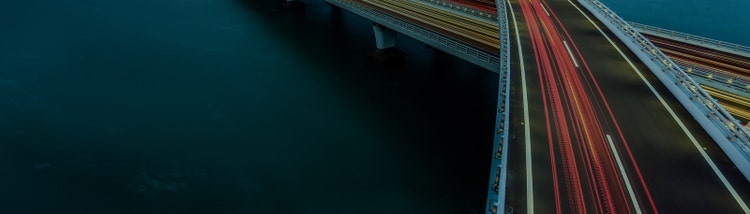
733,139
498,169
692,39
448,45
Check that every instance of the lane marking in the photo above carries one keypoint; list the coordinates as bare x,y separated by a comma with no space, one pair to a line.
526,127
705,156
543,8
570,53
624,175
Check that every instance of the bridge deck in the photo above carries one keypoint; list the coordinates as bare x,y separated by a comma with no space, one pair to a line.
471,38
726,76
602,133
675,176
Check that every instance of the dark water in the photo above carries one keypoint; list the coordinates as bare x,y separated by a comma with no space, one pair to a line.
231,106
725,20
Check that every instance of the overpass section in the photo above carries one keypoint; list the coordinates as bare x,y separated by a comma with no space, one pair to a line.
593,129
460,30
722,68
470,30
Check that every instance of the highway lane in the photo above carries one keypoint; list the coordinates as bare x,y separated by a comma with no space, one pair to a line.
734,104
717,60
487,6
674,170
725,64
583,173
474,31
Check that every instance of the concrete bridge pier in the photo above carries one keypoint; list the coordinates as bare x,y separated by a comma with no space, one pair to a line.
292,5
385,42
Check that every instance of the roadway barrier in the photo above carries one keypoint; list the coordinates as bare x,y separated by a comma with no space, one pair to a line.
498,169
733,139
692,39
443,43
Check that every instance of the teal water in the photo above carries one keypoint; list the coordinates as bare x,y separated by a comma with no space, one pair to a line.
231,106
725,20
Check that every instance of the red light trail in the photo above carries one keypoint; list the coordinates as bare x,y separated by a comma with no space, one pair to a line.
578,121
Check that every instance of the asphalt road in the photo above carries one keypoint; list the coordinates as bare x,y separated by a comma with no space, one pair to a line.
674,168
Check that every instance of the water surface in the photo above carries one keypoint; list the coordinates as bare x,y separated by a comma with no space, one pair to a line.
231,106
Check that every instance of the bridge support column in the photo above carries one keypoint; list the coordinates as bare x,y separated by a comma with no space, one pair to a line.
385,42
292,5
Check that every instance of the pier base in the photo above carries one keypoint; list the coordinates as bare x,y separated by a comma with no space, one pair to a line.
385,42
294,5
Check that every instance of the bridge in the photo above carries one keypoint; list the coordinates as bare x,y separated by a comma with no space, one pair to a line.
595,114
722,68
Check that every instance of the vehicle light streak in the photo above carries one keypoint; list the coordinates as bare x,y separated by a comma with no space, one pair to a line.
735,64
577,117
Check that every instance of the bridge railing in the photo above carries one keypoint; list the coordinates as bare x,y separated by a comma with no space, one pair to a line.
720,125
449,45
498,171
693,39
